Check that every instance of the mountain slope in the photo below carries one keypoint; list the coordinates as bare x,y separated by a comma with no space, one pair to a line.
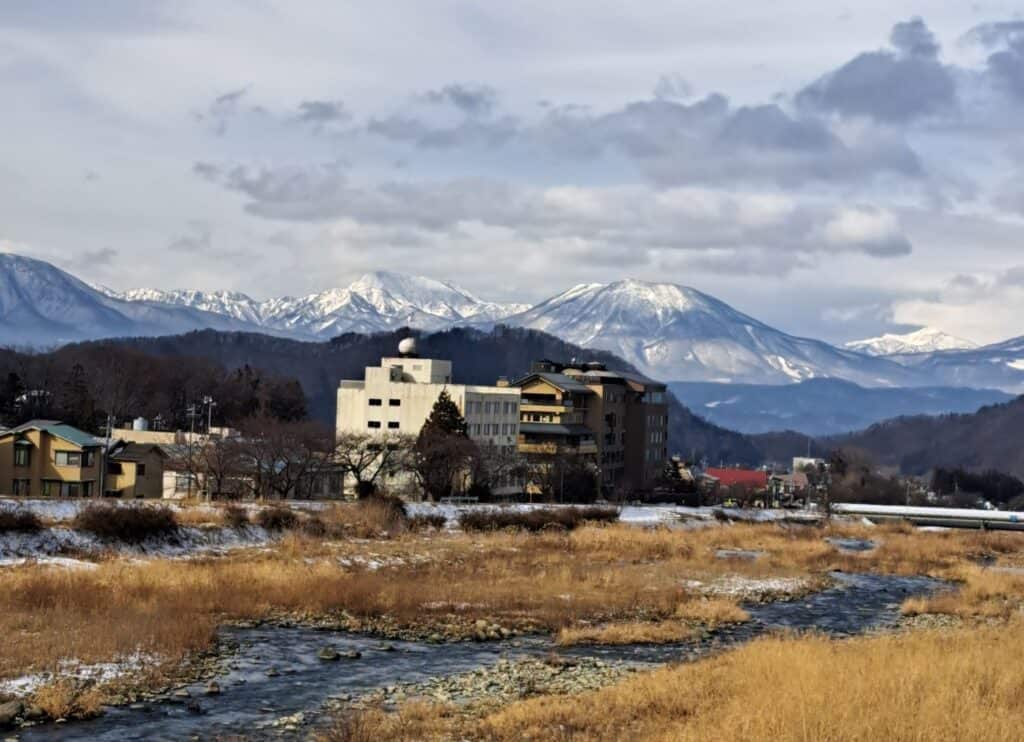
42,305
821,406
996,366
376,302
987,439
478,358
677,333
925,340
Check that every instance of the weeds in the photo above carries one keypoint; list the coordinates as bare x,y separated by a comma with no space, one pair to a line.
18,520
277,518
540,519
126,524
418,523
233,516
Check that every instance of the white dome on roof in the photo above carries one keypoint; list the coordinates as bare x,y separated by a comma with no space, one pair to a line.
407,346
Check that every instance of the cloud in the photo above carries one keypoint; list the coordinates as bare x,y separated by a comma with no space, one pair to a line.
101,256
472,100
222,109
1006,63
889,86
198,239
323,113
672,87
869,229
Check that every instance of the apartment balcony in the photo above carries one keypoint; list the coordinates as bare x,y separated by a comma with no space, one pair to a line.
553,438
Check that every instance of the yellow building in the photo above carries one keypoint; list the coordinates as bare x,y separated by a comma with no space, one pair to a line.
45,458
135,470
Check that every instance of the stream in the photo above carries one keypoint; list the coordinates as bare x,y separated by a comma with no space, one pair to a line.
251,702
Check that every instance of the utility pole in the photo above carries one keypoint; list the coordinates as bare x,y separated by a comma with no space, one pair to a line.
191,411
103,460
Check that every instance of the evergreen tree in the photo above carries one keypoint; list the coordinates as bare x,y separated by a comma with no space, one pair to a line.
445,418
76,402
443,450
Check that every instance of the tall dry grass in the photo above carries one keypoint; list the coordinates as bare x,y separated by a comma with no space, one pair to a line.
963,685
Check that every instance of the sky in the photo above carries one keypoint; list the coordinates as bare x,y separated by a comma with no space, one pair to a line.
838,170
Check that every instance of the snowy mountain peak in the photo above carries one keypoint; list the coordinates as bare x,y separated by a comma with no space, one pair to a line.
925,340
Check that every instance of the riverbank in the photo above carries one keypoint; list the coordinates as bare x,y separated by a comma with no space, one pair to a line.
438,587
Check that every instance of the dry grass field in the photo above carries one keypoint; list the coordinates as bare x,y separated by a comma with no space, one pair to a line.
608,583
962,685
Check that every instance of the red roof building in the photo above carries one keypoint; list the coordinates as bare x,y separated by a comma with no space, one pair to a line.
743,477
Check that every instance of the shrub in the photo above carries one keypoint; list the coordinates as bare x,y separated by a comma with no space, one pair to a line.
277,518
314,526
131,525
427,520
19,520
235,516
535,520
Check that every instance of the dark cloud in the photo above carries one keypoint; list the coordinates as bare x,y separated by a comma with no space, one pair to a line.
914,39
472,100
893,87
468,133
321,113
1006,64
223,108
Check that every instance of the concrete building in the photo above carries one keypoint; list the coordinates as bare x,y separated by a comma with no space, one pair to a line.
619,420
398,396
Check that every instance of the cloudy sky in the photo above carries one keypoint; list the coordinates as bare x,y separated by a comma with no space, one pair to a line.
835,169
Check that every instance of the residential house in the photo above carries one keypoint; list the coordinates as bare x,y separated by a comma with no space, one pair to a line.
46,458
135,470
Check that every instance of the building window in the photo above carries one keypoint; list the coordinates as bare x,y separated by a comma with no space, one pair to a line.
373,424
50,487
476,428
392,425
67,458
22,486
140,470
394,403
374,403
181,482
22,455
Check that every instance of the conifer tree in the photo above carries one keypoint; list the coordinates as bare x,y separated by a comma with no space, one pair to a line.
443,449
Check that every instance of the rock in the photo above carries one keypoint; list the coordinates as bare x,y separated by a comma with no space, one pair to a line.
387,648
9,712
328,654
481,625
182,693
193,707
435,638
272,672
213,688
353,654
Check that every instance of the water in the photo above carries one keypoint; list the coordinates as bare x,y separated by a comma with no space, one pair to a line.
251,702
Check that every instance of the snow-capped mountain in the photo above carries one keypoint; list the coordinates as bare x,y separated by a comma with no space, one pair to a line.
42,305
677,333
375,302
925,340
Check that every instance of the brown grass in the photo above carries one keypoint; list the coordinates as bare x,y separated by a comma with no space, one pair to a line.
63,699
930,685
984,593
712,611
628,632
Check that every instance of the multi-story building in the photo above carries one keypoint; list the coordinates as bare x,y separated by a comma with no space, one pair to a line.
619,420
398,396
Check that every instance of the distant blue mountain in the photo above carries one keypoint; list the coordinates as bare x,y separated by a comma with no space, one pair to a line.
820,407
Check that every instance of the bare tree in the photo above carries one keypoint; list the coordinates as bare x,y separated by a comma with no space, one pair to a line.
224,462
283,458
366,457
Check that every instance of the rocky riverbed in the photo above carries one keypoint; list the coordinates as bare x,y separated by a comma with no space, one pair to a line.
284,681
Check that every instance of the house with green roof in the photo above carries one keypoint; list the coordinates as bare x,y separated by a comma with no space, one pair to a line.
46,458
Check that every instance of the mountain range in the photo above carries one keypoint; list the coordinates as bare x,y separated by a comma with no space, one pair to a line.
667,331
925,340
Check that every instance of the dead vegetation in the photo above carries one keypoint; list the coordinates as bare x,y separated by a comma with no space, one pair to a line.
19,520
128,524
927,685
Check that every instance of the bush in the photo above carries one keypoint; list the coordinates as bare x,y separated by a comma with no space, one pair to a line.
131,525
19,520
235,516
429,520
314,527
276,518
535,520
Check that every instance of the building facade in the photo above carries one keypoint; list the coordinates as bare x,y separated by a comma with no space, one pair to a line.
618,420
45,458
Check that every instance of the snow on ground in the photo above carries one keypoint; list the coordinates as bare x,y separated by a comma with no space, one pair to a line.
73,669
48,545
748,588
